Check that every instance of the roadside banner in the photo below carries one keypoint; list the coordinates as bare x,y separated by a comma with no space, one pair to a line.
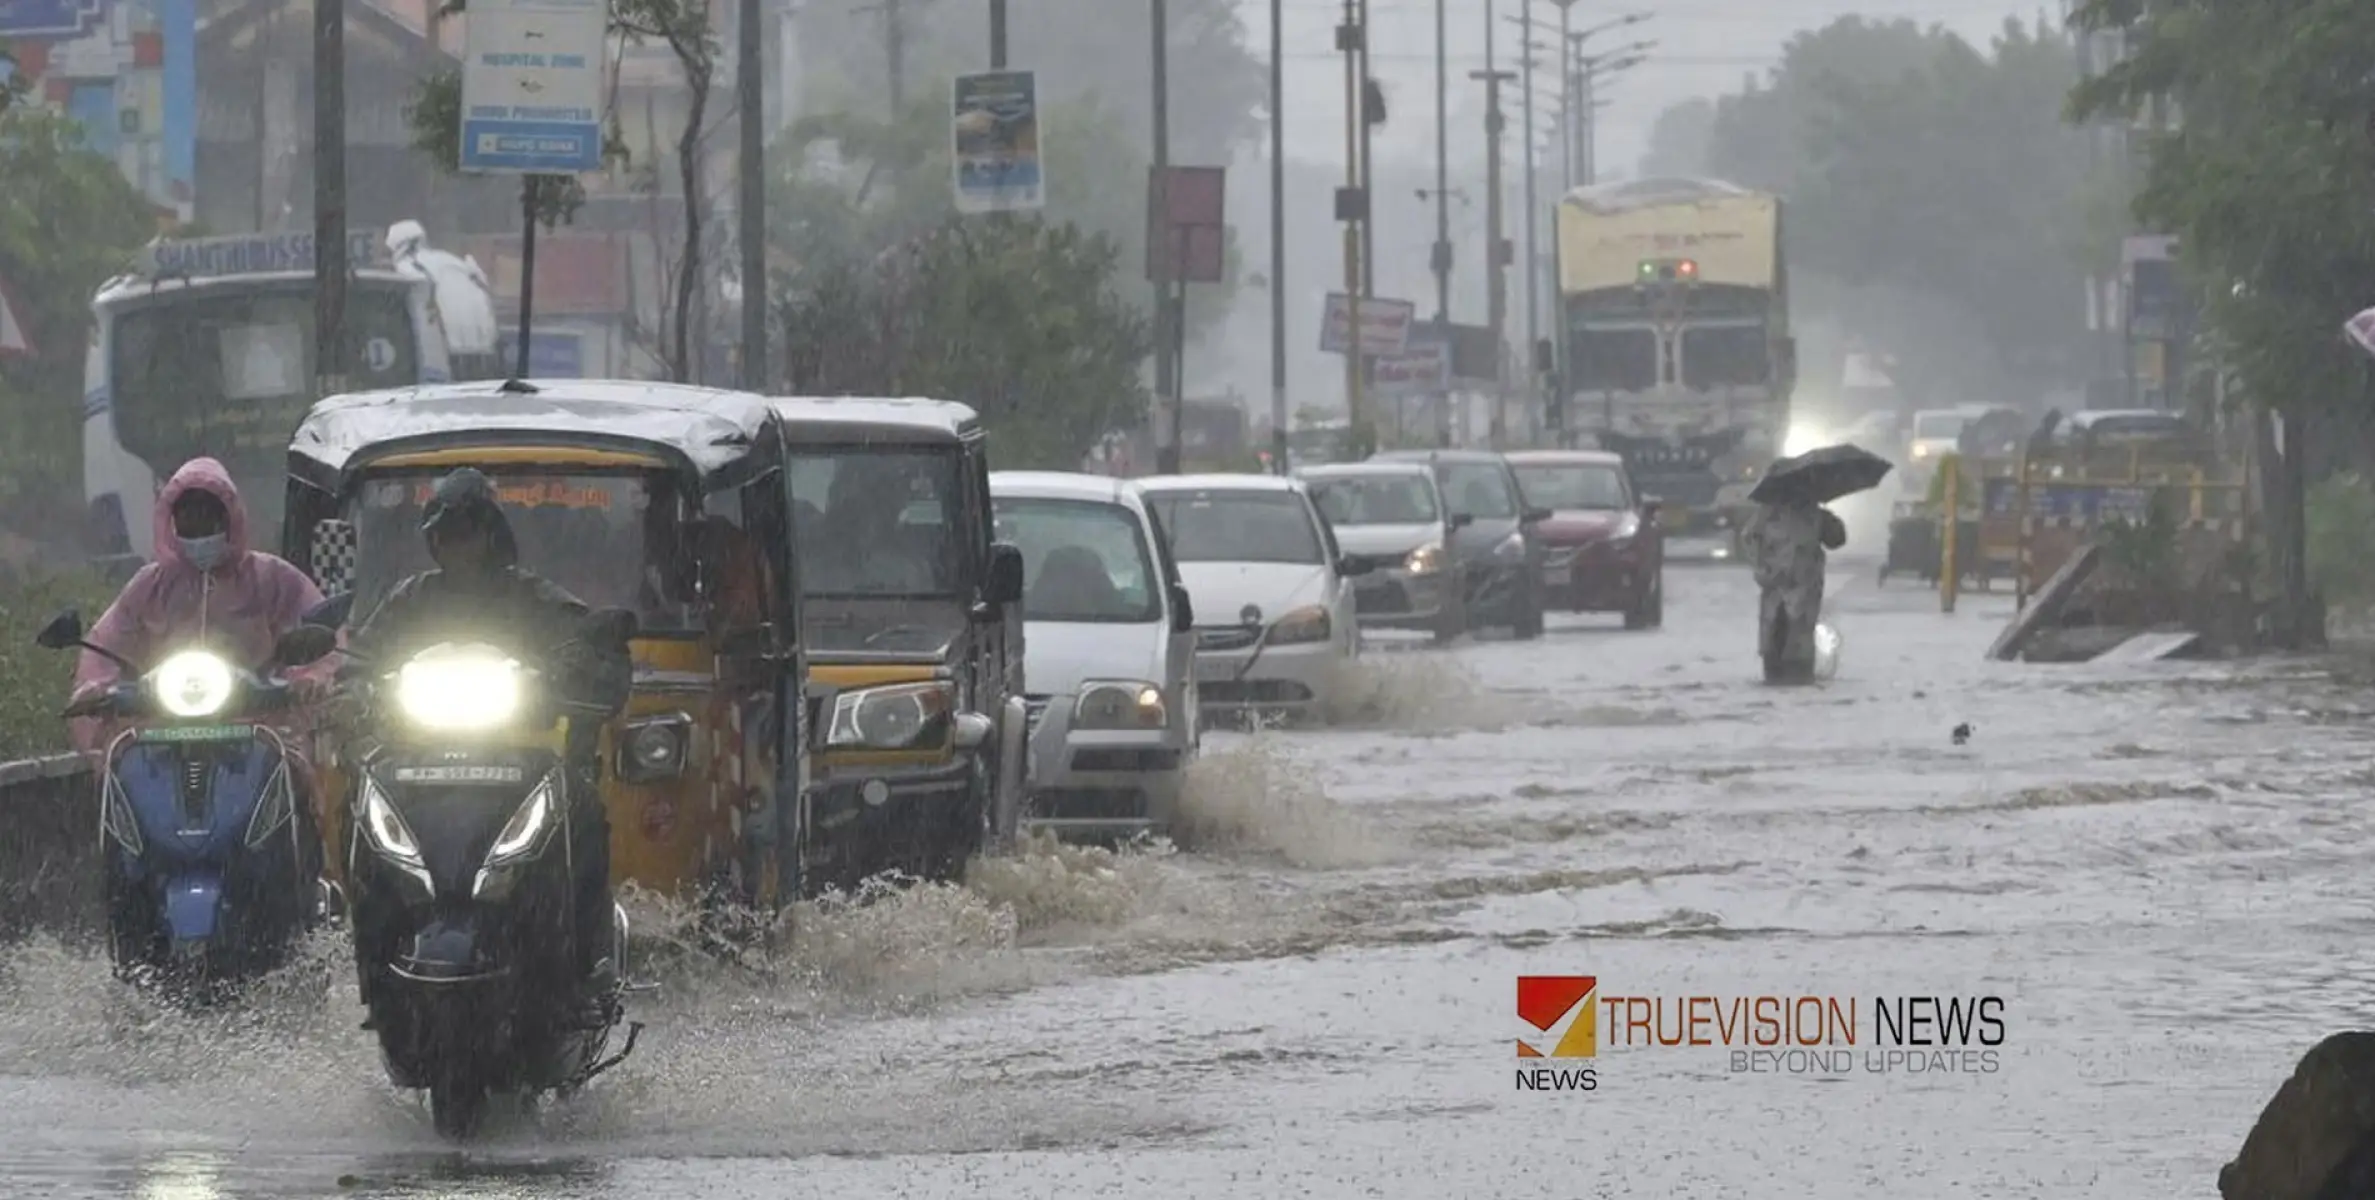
994,142
532,87
1422,369
1385,325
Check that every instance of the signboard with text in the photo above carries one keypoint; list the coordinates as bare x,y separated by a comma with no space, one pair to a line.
1423,368
532,87
1385,325
994,142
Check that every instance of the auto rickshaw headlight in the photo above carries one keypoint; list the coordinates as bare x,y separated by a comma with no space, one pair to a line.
654,748
1120,704
900,716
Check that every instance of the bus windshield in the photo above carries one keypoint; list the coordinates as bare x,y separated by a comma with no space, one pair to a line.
228,373
608,539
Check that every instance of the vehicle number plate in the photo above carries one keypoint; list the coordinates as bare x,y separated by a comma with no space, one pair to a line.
1216,671
197,733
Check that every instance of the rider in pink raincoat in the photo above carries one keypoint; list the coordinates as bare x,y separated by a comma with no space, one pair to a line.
206,583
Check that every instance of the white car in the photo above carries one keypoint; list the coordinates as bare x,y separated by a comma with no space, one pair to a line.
1274,618
1108,653
1393,514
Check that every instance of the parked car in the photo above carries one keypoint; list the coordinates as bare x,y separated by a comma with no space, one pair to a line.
1274,617
1108,653
1498,553
1393,515
1602,548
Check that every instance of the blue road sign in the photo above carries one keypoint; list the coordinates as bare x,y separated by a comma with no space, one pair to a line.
532,87
61,19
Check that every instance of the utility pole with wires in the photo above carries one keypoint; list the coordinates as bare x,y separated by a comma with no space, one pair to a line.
1352,208
1533,272
1589,71
1278,431
1439,258
1372,102
1167,379
329,199
1496,249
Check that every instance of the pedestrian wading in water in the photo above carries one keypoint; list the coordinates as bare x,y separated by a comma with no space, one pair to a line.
1786,544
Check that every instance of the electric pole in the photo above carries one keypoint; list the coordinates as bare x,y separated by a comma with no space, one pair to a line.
997,35
1278,441
749,66
1440,257
1567,47
1497,259
1369,94
1167,439
329,197
1353,209
1533,272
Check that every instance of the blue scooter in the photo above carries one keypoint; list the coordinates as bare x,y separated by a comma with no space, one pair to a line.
212,857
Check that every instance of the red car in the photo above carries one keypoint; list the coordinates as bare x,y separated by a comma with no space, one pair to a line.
1603,550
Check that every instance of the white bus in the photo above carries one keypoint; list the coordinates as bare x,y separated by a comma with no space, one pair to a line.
206,348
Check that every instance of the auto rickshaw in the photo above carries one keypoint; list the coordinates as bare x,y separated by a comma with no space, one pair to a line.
661,499
913,626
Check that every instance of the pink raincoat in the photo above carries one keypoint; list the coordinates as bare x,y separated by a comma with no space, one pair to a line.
243,605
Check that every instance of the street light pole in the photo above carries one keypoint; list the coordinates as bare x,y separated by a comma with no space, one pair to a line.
997,34
1167,449
1440,257
1533,272
751,163
1368,181
1355,214
1278,444
1566,93
1497,312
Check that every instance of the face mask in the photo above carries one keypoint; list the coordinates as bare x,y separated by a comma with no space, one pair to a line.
206,552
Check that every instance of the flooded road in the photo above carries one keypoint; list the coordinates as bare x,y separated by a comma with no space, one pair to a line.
2159,869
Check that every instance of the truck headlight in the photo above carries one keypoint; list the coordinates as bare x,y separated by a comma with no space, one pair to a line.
193,683
896,717
1119,704
452,687
1306,624
1426,560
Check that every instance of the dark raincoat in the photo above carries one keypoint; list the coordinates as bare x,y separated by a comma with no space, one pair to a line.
1786,544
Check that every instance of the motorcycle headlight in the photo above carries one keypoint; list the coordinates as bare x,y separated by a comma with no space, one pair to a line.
523,836
1513,546
193,683
1306,624
459,687
1426,560
385,827
897,717
1119,704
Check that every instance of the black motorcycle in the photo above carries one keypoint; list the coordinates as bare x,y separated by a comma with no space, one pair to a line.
489,952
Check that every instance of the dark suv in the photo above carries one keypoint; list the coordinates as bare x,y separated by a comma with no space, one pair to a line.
1499,554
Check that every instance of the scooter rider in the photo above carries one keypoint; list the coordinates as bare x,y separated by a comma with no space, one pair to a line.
479,586
206,584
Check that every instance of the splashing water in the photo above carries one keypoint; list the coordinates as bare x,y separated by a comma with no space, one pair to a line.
1415,691
1255,797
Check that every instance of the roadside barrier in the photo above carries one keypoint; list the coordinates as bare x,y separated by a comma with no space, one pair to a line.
2035,514
49,846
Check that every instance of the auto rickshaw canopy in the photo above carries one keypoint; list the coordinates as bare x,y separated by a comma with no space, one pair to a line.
866,420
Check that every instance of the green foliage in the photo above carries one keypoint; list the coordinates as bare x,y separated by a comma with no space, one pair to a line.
2265,182
2341,537
68,222
38,680
2146,552
1934,192
13,84
1018,318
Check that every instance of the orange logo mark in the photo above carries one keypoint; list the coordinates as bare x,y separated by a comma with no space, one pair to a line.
1543,1000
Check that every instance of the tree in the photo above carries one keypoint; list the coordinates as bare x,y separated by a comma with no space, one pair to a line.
687,29
1018,318
1934,193
1680,141
69,221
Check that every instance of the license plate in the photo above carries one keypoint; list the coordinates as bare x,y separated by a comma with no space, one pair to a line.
197,733
1216,672
462,775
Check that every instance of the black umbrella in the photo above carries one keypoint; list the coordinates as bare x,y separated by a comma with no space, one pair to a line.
1821,476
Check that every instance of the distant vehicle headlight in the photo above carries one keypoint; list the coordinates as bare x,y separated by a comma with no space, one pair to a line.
1426,560
453,687
1306,624
193,683
1119,704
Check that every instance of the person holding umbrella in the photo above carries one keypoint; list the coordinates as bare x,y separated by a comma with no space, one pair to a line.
1787,541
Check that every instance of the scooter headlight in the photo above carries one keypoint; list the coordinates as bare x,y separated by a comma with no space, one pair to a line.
459,687
897,717
385,827
1119,704
523,836
193,683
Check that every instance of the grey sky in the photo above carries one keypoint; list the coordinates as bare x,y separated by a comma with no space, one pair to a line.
1704,47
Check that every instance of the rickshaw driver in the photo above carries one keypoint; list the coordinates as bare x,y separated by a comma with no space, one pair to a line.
862,550
479,583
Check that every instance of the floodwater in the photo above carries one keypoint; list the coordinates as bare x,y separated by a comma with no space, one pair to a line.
2158,869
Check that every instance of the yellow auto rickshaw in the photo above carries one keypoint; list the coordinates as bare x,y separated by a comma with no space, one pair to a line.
913,626
661,499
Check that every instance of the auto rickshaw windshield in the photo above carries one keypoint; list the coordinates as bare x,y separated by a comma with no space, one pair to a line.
882,559
609,539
